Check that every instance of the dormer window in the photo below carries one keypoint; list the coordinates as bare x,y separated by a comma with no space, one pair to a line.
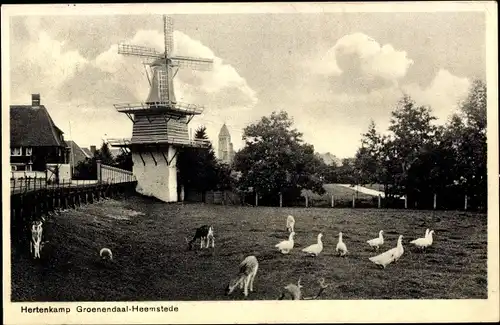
16,151
29,151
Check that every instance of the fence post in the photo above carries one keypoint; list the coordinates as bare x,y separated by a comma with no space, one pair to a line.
435,201
281,200
406,202
379,201
256,199
353,201
465,205
307,201
99,170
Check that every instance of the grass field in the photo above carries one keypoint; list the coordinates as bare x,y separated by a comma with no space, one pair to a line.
147,238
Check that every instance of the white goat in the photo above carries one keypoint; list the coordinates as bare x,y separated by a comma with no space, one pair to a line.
290,223
106,254
205,234
246,276
36,238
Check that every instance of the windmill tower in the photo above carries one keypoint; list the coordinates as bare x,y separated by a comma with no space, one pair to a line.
160,124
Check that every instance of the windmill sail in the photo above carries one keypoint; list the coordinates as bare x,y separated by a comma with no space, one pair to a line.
168,35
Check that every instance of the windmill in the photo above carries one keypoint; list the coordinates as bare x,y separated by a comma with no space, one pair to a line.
163,67
160,123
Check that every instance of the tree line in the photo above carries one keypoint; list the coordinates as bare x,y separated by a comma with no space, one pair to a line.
420,159
415,157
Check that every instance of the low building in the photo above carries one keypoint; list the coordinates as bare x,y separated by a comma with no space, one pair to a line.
77,154
35,140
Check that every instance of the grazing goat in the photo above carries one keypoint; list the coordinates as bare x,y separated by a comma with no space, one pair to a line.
205,234
245,277
106,254
290,223
294,290
36,238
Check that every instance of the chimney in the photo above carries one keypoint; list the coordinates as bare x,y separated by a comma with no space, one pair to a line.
35,100
93,149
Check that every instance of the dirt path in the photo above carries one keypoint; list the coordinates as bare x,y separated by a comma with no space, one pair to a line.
362,189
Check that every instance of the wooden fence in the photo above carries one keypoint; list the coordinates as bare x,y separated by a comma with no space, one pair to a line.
327,200
30,205
110,174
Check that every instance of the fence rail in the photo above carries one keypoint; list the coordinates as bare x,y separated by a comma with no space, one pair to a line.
111,174
330,200
27,206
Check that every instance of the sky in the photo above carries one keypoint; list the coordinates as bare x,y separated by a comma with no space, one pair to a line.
332,72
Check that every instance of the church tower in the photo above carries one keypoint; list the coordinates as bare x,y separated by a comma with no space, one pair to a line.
225,148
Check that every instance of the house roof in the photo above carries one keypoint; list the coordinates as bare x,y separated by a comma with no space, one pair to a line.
77,153
87,152
33,127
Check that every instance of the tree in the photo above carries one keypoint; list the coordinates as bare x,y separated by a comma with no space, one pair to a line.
275,159
412,134
124,160
198,168
368,163
104,155
465,136
86,169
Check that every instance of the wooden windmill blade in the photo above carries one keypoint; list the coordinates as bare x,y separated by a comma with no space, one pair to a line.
138,50
168,34
193,63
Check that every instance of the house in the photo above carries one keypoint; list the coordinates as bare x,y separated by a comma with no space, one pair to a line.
77,154
88,152
35,140
92,150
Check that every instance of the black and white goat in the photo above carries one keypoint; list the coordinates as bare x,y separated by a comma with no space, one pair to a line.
36,238
205,234
247,270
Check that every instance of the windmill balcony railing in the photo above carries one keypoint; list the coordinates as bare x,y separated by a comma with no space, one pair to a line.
126,142
190,109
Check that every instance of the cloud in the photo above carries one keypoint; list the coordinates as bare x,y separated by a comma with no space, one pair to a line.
79,89
443,93
361,56
43,64
335,120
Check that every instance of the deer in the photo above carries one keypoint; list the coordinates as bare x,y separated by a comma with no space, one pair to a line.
247,270
290,223
295,292
36,238
205,234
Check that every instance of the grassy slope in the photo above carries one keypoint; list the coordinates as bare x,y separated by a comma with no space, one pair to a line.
151,262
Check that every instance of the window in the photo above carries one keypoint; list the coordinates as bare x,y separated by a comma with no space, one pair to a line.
29,151
16,151
17,167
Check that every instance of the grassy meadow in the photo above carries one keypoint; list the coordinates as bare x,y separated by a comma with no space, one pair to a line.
151,262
